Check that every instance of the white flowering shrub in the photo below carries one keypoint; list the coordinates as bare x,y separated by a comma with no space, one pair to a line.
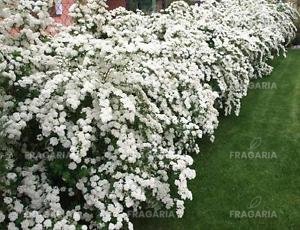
103,116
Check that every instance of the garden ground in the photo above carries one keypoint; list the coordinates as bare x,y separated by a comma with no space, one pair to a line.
249,178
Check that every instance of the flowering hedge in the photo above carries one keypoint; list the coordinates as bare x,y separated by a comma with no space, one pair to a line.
102,117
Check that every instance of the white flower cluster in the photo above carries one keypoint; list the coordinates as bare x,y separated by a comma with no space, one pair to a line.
126,96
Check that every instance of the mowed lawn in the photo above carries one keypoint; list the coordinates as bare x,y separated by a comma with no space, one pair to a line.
249,178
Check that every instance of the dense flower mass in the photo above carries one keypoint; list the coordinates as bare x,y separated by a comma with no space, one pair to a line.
102,117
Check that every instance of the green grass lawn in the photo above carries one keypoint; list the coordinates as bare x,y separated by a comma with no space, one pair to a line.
231,184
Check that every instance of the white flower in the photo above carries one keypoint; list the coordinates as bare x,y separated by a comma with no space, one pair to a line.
53,141
106,114
39,219
25,224
18,207
11,176
2,217
12,226
76,216
12,216
47,223
7,200
72,166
